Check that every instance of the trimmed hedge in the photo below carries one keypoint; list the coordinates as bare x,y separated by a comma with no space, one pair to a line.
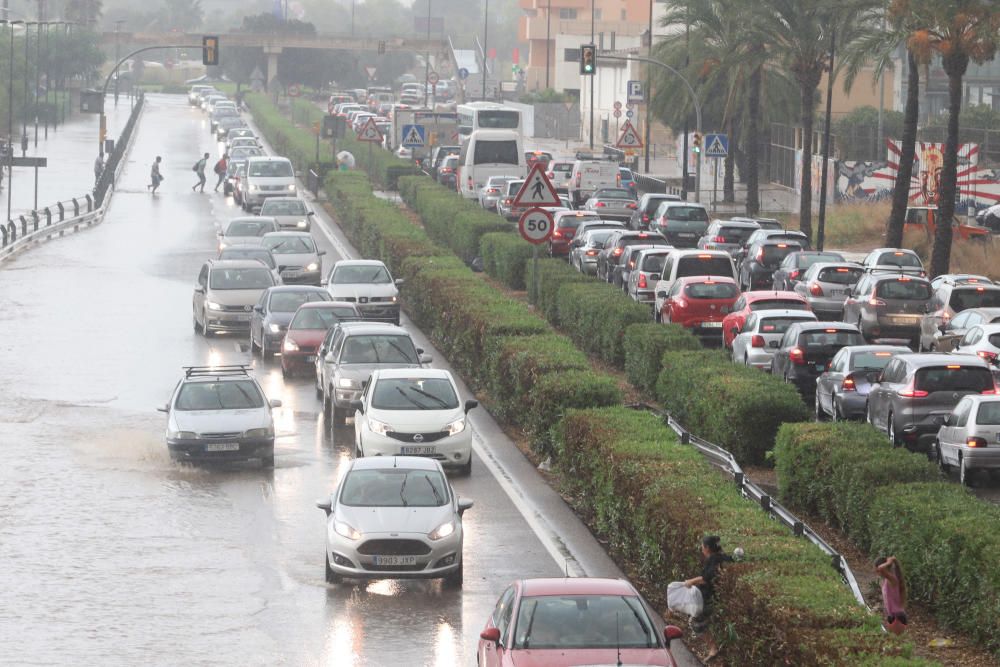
595,315
644,345
888,501
505,256
552,275
652,500
735,407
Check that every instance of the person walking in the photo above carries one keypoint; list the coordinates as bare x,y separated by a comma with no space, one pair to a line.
199,168
713,558
220,169
893,593
98,168
155,177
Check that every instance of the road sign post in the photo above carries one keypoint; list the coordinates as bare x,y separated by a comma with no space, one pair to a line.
537,191
369,132
629,137
716,145
535,226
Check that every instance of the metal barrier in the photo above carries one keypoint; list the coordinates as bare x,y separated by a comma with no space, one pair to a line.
112,165
724,460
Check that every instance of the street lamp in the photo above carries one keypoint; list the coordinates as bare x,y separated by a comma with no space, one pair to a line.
118,25
486,35
38,71
24,111
10,114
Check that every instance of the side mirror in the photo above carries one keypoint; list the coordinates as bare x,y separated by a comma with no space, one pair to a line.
325,505
258,309
425,358
662,294
199,289
164,408
310,213
463,505
399,281
329,358
948,421
420,350
672,632
321,253
470,405
490,635
357,406
275,403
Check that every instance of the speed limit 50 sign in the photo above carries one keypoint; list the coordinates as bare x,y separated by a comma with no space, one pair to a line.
535,225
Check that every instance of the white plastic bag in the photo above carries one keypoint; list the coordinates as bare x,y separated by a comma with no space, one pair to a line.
684,600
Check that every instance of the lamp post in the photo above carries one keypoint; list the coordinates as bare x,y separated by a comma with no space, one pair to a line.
548,43
38,71
649,85
486,35
10,116
24,111
592,77
427,56
118,26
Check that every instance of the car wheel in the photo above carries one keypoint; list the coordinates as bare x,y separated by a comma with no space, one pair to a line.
205,331
656,315
319,390
194,321
836,416
942,466
339,416
466,469
331,576
286,372
267,461
964,473
454,579
359,453
818,410
891,430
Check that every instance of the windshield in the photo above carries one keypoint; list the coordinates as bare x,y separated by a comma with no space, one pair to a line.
841,275
954,378
271,169
495,152
499,119
223,279
727,234
321,318
899,259
583,621
289,302
240,252
283,207
704,266
872,360
974,297
394,487
289,245
773,254
379,349
903,289
826,338
613,193
711,290
360,274
778,325
989,414
573,221
804,260
228,395
778,304
249,228
414,394
675,213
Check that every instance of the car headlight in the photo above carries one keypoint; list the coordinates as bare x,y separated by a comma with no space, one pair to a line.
345,530
395,299
211,305
182,435
291,187
442,531
290,345
312,267
301,223
378,427
253,187
274,328
222,245
348,383
456,426
260,432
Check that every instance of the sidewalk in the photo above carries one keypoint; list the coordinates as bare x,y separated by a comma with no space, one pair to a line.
71,149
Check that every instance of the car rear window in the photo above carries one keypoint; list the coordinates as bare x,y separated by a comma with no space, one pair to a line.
733,234
289,302
994,340
773,254
840,275
903,289
899,259
777,325
653,263
574,221
600,236
563,166
989,414
871,360
495,152
778,304
697,227
804,260
513,187
974,297
711,290
826,338
953,377
675,213
652,204
698,265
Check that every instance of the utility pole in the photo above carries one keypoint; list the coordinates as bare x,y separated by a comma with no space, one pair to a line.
687,131
821,223
427,56
118,26
548,43
592,78
649,83
486,35
24,108
38,66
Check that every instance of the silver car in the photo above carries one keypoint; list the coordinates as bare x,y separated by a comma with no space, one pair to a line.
226,292
970,437
368,283
394,518
299,260
246,231
824,286
642,278
761,335
490,193
728,235
505,204
585,248
612,204
290,213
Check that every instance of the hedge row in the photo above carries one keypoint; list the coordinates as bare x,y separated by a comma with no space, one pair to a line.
890,502
552,275
285,138
505,256
644,345
653,500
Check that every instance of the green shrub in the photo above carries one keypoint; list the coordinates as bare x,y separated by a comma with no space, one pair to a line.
644,345
451,220
555,393
595,315
652,500
552,275
505,256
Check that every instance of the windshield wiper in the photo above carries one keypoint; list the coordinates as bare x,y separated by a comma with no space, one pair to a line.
437,496
441,402
402,353
531,621
410,399
642,623
402,489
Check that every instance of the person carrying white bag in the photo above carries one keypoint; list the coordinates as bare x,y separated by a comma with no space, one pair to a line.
694,596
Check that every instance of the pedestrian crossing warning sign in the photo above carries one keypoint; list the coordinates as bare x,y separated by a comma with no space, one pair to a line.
716,145
413,136
369,132
629,137
537,190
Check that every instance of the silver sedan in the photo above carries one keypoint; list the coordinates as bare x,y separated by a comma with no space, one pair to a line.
761,335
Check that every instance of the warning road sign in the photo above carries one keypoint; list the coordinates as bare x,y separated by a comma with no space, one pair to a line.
433,78
629,138
370,71
369,132
537,190
716,145
414,136
535,225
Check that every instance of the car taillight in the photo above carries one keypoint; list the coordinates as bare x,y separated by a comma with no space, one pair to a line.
848,384
591,253
760,255
757,341
718,239
681,303
815,289
617,252
618,180
632,206
797,356
910,392
556,234
975,442
491,191
446,170
987,355
794,274
875,301
469,183
599,204
507,201
578,179
645,218
642,281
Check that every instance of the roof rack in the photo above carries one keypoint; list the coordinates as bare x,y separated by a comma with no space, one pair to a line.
217,371
587,155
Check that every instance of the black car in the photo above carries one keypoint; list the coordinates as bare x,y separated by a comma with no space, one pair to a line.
272,313
762,260
842,391
766,234
795,264
806,349
646,208
614,246
438,156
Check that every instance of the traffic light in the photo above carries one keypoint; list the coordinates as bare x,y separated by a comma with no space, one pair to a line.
210,50
588,59
697,142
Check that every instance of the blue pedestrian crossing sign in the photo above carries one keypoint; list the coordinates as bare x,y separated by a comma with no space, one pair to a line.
414,136
716,145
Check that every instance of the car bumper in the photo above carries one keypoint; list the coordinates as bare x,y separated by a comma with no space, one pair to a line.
447,181
343,397
294,226
301,278
441,558
645,296
222,321
827,309
489,203
298,359
758,358
891,330
852,404
559,248
804,378
380,312
589,266
220,450
271,342
982,457
450,451
919,428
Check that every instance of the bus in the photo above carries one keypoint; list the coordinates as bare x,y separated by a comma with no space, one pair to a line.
487,116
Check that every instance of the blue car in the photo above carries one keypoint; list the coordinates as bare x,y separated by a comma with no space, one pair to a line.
627,179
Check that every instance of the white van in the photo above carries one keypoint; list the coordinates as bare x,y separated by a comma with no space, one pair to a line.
489,153
590,173
267,177
687,263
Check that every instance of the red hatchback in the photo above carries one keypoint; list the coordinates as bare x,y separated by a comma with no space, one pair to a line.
308,328
580,621
565,224
758,300
699,303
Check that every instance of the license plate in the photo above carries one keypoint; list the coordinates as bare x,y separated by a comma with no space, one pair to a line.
712,325
416,451
291,274
685,235
820,367
836,292
222,447
395,560
242,317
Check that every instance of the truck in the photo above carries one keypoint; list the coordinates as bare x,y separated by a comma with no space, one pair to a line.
438,128
591,172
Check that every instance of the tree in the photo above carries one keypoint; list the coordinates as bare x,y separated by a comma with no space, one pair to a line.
182,15
84,12
958,31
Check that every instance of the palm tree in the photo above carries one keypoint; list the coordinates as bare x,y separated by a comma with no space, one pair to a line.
958,31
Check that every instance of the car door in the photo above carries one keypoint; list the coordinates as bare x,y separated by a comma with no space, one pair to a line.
851,303
780,359
955,330
491,655
201,288
742,339
830,379
733,321
321,352
257,317
877,394
951,435
892,384
663,284
969,341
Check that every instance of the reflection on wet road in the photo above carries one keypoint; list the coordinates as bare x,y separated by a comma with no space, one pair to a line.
112,554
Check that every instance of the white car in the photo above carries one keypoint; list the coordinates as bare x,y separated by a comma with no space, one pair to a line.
290,212
220,413
414,412
754,346
395,518
368,283
982,340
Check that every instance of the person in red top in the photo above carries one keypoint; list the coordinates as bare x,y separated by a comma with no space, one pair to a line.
220,169
893,593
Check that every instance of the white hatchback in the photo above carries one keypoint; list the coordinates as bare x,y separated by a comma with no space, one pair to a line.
414,412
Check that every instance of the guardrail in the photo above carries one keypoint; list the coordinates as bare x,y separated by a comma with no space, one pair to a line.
71,215
724,460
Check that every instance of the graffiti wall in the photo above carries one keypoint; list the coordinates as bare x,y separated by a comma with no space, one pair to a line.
978,186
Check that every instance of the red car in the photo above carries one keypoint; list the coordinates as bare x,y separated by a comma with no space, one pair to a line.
699,303
308,328
565,223
758,300
579,621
